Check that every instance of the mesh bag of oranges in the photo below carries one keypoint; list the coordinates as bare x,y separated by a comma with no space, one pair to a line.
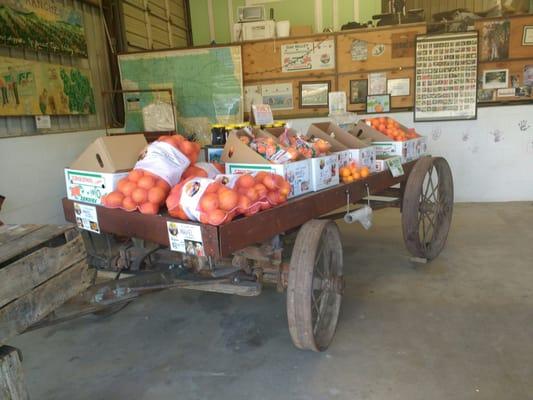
352,172
160,167
203,170
218,201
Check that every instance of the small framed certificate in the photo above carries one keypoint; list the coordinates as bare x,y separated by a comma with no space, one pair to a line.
527,38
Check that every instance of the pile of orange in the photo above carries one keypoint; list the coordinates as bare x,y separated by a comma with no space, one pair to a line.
189,149
352,173
219,204
392,129
139,190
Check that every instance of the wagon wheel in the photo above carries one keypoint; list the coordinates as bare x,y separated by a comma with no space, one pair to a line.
427,207
314,292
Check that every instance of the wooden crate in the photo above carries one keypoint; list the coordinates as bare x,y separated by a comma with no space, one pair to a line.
12,384
41,267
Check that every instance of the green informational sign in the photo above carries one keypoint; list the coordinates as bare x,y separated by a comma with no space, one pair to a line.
206,85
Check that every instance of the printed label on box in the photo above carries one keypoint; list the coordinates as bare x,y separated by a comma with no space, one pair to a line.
325,172
185,238
89,187
395,166
86,217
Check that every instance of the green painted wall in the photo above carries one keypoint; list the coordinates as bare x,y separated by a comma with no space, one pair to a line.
299,12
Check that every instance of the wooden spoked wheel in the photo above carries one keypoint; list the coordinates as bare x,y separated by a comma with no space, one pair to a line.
315,285
427,207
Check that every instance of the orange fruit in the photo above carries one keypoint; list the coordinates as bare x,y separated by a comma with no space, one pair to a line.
204,218
285,189
213,188
356,176
260,176
347,179
163,185
244,204
208,202
269,182
128,204
149,208
344,171
121,184
146,182
216,216
187,147
364,172
114,199
251,193
246,181
261,189
135,175
228,199
139,195
273,197
157,195
128,188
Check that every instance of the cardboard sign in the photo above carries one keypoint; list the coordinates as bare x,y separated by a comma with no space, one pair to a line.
86,217
185,238
395,166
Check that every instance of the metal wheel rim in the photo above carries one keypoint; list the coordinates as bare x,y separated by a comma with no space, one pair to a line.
314,292
428,207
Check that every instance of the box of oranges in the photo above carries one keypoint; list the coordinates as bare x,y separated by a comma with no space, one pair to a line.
390,138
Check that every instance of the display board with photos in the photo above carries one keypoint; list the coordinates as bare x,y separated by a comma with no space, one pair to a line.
446,77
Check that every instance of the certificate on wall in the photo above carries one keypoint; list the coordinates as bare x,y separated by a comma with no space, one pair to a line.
446,77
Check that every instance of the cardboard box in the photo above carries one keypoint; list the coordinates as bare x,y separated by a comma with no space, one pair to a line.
358,151
301,30
385,146
297,173
103,163
241,158
324,172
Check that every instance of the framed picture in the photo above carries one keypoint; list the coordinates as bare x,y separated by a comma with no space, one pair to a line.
446,76
358,91
378,103
314,94
496,79
213,153
399,87
527,38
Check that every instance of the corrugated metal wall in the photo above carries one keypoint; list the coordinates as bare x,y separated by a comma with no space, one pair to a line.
97,62
155,24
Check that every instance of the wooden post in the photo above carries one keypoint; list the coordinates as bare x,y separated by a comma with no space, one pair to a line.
12,384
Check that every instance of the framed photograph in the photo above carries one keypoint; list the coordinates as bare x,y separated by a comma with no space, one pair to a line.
378,103
399,87
496,79
527,38
358,91
446,76
314,94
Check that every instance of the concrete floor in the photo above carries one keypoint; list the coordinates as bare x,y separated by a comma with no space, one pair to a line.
458,328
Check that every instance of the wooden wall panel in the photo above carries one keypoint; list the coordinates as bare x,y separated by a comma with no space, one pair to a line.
262,59
375,37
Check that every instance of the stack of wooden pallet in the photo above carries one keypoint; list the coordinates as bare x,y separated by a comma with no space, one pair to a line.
41,267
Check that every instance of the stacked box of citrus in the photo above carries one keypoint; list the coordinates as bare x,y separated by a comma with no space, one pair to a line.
392,129
352,172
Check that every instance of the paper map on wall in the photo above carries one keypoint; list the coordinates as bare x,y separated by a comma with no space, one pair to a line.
34,88
308,56
42,26
206,84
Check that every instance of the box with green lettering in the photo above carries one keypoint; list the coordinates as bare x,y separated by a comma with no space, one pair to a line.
98,169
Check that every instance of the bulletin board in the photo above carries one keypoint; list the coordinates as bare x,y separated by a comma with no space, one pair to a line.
384,50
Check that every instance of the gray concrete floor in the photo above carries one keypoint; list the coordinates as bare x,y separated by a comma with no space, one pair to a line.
458,328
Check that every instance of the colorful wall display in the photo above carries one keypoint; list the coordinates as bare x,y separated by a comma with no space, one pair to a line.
35,88
43,26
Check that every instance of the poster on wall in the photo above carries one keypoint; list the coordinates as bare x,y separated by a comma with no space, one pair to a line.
206,84
446,77
48,26
308,56
495,40
278,96
36,88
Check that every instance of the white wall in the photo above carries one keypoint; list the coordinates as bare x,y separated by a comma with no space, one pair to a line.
484,168
32,178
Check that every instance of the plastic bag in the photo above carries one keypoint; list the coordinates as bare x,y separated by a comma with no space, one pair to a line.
203,170
161,167
217,201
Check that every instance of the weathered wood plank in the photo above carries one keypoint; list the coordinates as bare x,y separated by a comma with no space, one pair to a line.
32,240
12,383
9,233
18,315
20,277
